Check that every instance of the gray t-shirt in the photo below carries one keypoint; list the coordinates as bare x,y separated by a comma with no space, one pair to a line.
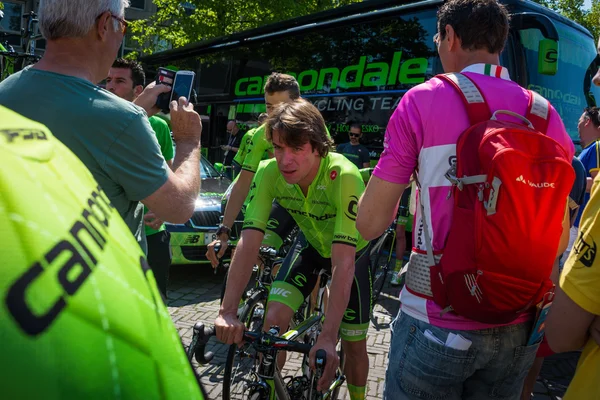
358,154
111,136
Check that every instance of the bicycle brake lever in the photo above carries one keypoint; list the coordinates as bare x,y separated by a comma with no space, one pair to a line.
320,361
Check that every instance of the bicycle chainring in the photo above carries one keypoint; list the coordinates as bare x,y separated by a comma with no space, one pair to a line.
297,386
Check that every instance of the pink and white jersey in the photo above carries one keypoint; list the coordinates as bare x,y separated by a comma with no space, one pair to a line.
422,134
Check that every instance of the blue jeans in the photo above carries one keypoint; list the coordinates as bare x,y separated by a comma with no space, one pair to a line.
494,367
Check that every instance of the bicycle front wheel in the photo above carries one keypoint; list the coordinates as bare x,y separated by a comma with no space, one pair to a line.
242,363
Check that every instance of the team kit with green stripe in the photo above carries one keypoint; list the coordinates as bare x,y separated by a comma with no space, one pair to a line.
326,215
82,317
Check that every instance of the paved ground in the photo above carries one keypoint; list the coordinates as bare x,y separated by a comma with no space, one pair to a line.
194,296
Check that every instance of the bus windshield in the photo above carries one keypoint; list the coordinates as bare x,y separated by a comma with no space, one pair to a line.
572,92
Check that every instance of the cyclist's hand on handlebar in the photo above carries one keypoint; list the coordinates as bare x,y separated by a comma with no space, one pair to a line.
229,328
210,250
333,361
147,99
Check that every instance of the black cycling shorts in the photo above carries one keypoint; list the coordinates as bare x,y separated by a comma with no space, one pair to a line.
298,276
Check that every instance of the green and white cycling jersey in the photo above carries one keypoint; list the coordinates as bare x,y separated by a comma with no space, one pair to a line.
256,149
81,316
326,215
244,146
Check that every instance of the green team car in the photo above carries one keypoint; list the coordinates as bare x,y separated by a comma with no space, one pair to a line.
189,240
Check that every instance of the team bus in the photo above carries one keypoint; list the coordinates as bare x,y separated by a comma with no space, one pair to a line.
356,62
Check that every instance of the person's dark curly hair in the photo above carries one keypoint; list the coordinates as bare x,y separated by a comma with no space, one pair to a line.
282,82
480,24
593,113
137,72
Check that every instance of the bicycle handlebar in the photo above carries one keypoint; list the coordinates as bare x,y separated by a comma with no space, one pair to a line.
204,334
320,361
262,340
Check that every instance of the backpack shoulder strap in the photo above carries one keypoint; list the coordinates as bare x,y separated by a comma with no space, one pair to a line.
477,108
538,111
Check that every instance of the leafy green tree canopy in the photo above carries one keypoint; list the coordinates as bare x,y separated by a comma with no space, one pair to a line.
177,23
573,9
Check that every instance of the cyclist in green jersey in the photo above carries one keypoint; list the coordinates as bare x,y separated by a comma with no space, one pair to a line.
238,160
81,316
320,190
279,88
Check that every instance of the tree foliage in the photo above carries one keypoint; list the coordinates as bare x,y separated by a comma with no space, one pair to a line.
177,23
573,9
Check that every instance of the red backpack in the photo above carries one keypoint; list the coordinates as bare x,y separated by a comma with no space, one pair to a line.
510,185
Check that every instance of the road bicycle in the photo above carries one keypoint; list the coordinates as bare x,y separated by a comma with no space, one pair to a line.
383,255
12,61
260,378
246,375
269,385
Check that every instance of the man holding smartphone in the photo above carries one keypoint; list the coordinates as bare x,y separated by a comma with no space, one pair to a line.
126,79
111,136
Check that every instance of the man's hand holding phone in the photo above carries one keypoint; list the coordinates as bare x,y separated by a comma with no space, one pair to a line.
181,82
147,99
185,122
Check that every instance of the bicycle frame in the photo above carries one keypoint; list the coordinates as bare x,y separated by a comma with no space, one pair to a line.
29,38
269,377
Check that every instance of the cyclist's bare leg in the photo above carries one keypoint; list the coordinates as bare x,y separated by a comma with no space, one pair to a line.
280,315
356,367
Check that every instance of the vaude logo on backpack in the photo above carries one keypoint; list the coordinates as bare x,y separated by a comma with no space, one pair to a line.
540,185
510,185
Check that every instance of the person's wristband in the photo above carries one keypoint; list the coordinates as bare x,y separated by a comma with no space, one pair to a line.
224,229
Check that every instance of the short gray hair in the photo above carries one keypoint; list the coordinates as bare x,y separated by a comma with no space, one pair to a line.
75,18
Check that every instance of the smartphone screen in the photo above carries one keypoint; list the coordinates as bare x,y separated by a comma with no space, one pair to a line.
182,86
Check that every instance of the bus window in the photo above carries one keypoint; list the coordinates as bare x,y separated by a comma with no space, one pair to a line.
356,73
569,90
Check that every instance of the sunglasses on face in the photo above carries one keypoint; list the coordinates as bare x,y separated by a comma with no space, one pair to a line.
354,134
122,22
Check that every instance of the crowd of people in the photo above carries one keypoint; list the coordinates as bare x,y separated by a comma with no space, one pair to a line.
498,203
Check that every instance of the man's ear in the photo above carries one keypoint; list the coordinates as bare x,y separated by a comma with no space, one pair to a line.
452,38
103,24
138,90
587,121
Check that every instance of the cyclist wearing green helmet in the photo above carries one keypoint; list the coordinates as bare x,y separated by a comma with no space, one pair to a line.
81,315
